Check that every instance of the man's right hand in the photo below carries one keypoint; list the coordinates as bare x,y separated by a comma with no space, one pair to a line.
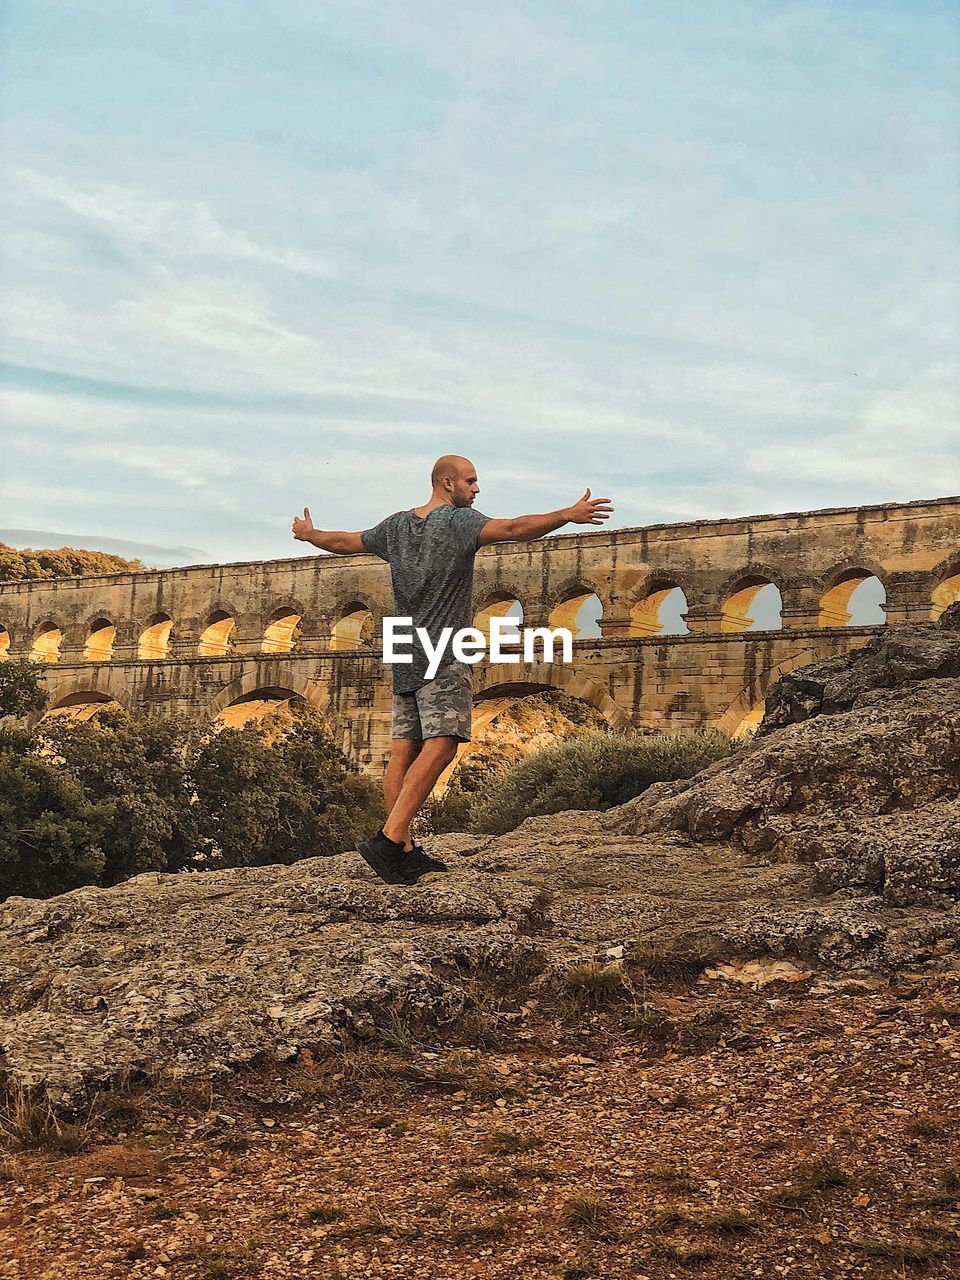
589,510
302,528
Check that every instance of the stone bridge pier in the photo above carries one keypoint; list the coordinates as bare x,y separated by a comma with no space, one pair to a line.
690,622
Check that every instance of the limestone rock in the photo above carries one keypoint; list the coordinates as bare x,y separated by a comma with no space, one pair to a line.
862,779
890,660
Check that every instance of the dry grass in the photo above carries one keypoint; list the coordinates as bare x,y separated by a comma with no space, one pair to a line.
483,1231
810,1181
728,1222
595,985
687,1253
29,1120
587,1211
924,1127
507,1142
909,1252
660,964
673,1177
324,1211
498,1185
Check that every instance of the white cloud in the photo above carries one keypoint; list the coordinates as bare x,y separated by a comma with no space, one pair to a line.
168,227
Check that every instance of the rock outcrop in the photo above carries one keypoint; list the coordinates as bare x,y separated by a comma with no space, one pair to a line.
856,771
891,660
833,838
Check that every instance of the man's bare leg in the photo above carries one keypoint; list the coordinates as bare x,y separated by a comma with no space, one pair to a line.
403,752
419,780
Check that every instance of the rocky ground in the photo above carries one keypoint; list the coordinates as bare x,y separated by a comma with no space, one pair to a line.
717,1027
806,1127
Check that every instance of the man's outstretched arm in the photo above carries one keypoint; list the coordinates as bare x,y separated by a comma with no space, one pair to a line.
344,544
525,528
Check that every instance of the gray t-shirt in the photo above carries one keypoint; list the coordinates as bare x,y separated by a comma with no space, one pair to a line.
431,566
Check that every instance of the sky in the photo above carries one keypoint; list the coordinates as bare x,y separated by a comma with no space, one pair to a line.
703,259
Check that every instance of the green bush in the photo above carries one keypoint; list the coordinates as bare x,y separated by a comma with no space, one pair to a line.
591,771
134,769
98,801
264,798
21,691
49,831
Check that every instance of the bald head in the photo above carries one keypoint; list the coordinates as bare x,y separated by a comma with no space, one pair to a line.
450,467
454,480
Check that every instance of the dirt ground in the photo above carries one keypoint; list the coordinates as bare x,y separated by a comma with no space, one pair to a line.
668,1127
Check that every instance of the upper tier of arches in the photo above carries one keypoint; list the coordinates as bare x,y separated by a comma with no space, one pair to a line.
655,606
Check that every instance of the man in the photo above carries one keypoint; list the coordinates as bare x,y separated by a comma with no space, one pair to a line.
430,550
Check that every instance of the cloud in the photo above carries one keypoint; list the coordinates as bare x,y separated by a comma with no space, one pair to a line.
167,227
704,262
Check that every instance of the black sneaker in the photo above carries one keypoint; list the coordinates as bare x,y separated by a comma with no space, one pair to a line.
387,859
420,862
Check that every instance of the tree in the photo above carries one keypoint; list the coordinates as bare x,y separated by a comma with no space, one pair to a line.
134,769
62,562
280,791
49,831
21,691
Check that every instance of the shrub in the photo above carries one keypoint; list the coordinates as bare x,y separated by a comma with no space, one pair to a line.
49,831
265,798
98,801
592,771
133,768
21,691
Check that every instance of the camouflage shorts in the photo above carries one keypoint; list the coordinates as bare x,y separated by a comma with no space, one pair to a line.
442,708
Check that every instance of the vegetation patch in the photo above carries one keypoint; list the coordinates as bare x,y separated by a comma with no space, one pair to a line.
596,769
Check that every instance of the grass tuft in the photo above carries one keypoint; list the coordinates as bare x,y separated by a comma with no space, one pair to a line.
587,1211
486,1229
29,1119
494,1184
911,1253
506,1142
324,1211
595,985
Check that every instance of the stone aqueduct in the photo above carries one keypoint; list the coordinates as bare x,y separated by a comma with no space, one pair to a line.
205,639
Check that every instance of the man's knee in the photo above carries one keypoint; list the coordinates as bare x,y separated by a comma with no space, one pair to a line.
442,748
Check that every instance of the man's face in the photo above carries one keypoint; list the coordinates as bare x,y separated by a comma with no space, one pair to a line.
465,487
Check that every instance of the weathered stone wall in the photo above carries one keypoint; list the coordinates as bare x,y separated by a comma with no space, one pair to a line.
717,674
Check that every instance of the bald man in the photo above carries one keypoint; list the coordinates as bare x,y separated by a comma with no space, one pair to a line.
430,550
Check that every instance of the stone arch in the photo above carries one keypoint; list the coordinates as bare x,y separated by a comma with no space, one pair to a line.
82,705
276,677
839,586
750,722
353,623
648,603
740,595
945,586
540,676
98,646
99,685
154,640
751,698
568,599
280,629
47,641
498,602
217,635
